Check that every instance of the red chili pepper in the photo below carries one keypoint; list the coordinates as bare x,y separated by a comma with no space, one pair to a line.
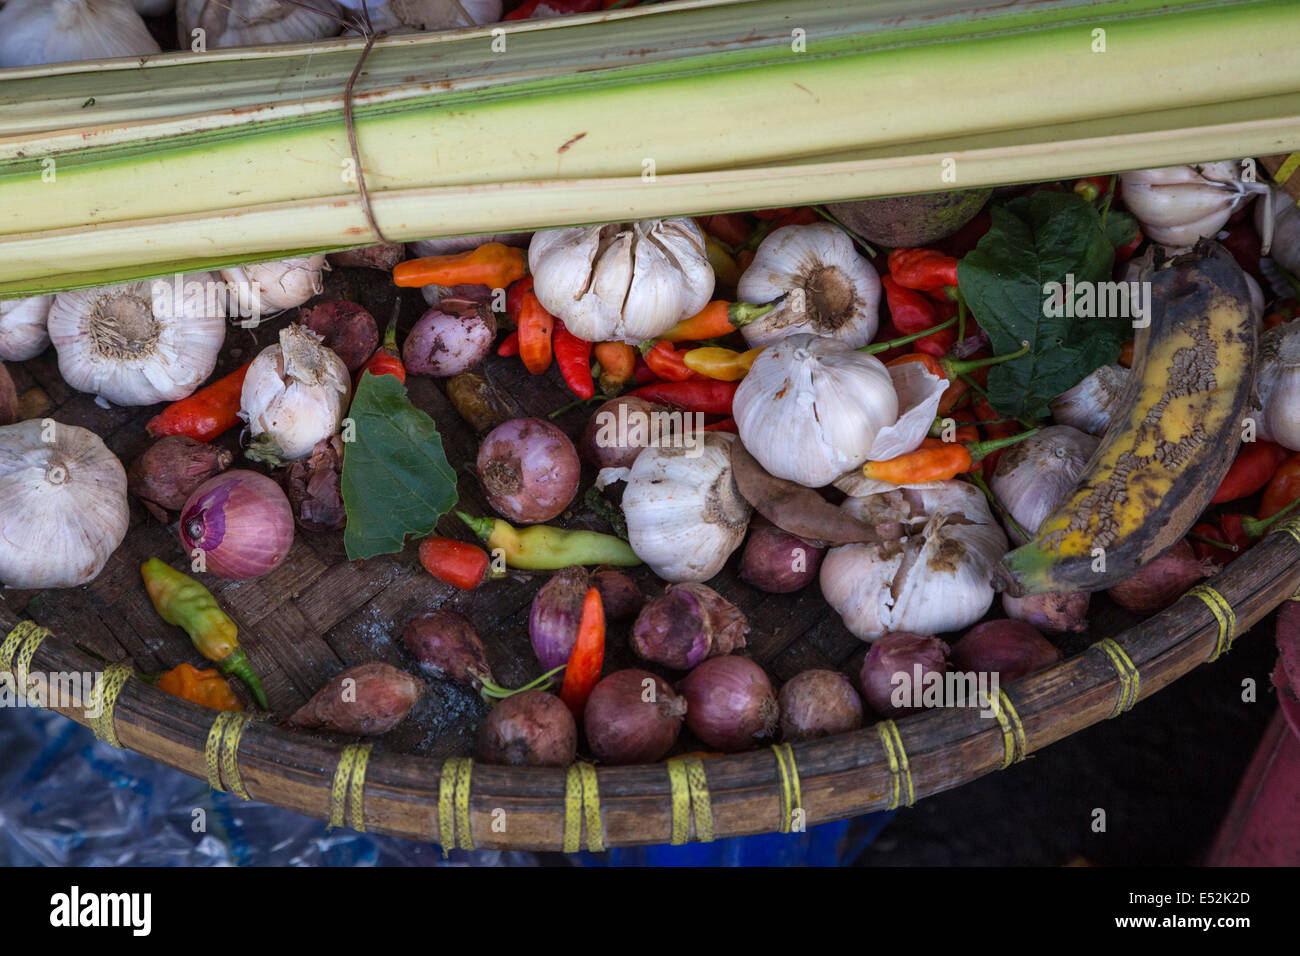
509,345
922,269
205,414
454,562
726,425
1283,488
668,364
1125,253
1254,466
641,373
387,359
1225,529
536,327
1092,188
515,297
710,396
588,655
909,310
994,427
733,228
573,356
800,216
942,340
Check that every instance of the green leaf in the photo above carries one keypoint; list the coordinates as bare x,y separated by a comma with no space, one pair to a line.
1036,240
1121,228
396,478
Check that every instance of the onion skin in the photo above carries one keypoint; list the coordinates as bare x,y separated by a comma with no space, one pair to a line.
624,727
378,699
314,487
529,469
383,256
241,521
449,340
619,594
1057,612
165,476
554,616
634,423
686,625
730,704
818,703
899,653
529,729
447,647
778,562
1163,581
345,328
1011,649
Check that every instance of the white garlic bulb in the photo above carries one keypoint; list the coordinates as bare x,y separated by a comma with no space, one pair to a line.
295,394
1177,205
1279,221
279,285
63,505
23,332
1277,383
829,288
919,394
684,514
1035,475
811,407
414,16
228,23
626,281
1093,404
140,342
933,579
33,32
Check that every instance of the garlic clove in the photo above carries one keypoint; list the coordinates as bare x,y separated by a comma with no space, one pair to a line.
1035,475
1093,404
23,327
269,287
1177,205
231,23
1277,383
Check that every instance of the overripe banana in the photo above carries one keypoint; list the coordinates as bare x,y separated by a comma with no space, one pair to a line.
1163,458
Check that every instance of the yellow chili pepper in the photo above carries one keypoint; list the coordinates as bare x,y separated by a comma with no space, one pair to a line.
543,548
726,365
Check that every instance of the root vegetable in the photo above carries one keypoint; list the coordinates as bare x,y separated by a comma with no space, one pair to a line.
1057,612
1011,649
730,703
344,327
818,703
900,653
555,614
529,729
632,716
364,700
450,339
1161,582
313,487
778,562
620,428
447,647
686,625
241,521
169,471
529,469
618,593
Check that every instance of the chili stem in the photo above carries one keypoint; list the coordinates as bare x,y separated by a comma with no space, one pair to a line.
574,404
969,365
1256,527
1105,205
903,340
490,691
961,317
1211,541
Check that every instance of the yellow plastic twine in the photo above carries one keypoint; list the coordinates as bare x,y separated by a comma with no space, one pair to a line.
17,650
899,768
1014,742
791,795
1130,678
221,752
453,804
1291,525
690,796
1288,168
582,804
104,700
349,787
1223,613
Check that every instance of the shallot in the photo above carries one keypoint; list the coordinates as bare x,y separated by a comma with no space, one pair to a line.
1057,612
1161,582
895,662
779,562
632,716
554,616
730,703
450,339
686,625
1011,649
529,469
529,729
364,700
344,327
447,647
818,703
170,469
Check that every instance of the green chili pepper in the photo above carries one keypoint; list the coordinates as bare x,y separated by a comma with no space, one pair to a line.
184,602
542,548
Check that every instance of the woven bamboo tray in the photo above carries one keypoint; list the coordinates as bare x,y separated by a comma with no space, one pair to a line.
318,613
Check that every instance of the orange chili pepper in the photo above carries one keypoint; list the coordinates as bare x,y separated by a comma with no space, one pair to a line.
717,319
617,363
205,688
207,413
936,460
667,363
588,655
492,264
536,327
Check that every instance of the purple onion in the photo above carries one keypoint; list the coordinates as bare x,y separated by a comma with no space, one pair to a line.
240,521
778,562
632,716
529,729
345,328
1010,649
818,703
619,429
730,703
529,470
555,614
448,647
689,623
619,594
900,653
1057,612
449,339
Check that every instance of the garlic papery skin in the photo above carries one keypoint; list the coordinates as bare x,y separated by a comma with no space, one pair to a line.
416,16
919,394
811,407
1277,383
33,32
829,288
63,505
1177,205
1035,475
227,23
23,327
684,514
1284,244
141,342
624,281
294,395
934,578
1093,404
275,286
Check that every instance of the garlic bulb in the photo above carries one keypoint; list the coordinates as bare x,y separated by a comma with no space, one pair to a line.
1277,383
934,578
919,394
33,32
294,395
1035,475
810,408
1093,404
1176,205
626,281
684,513
414,16
64,509
23,333
276,286
1284,246
829,289
138,343
228,23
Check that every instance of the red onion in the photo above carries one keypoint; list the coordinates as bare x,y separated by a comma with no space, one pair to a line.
818,703
168,472
450,339
1011,649
778,562
448,647
556,611
632,716
1057,612
240,521
730,703
529,469
686,625
899,653
618,430
346,328
619,594
529,729
1161,582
